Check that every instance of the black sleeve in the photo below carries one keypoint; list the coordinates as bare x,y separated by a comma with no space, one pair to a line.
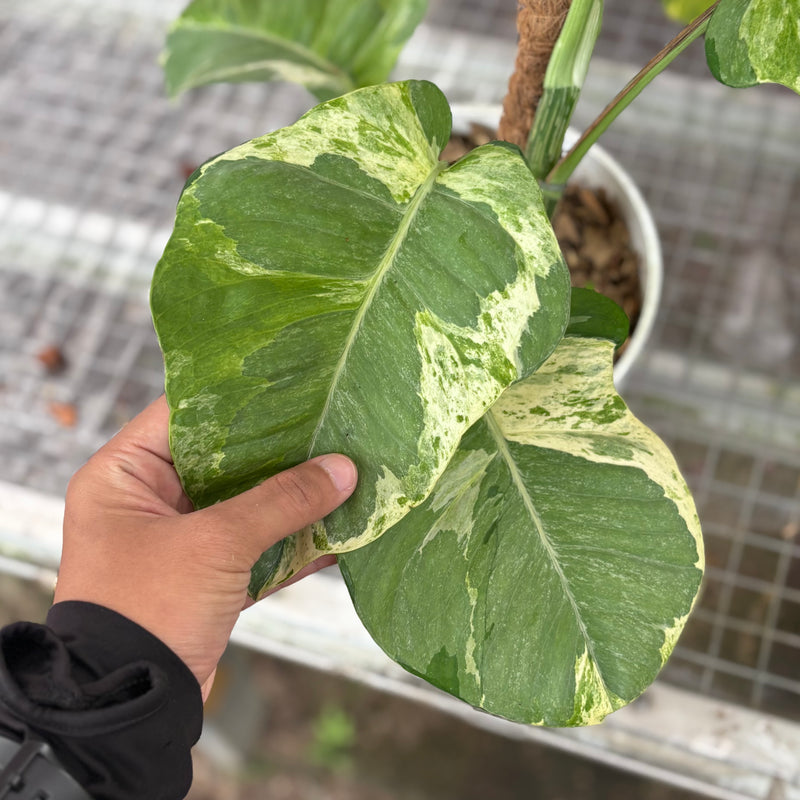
119,708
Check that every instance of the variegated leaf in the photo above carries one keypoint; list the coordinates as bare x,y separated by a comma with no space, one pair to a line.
334,287
329,46
550,571
755,41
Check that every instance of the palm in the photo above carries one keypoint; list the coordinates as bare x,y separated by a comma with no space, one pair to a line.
133,543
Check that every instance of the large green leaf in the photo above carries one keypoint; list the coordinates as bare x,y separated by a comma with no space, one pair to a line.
328,46
550,571
755,41
334,287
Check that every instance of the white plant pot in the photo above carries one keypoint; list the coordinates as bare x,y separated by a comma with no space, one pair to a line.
599,169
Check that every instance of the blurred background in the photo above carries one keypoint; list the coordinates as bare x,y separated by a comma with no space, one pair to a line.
92,159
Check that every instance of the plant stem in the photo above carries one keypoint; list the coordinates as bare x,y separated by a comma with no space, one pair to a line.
565,167
563,82
538,23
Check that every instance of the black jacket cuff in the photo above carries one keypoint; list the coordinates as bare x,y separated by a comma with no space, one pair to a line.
119,708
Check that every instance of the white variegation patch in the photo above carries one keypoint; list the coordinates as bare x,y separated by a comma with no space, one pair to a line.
194,452
450,388
454,498
390,507
190,443
298,551
462,481
470,664
310,543
755,41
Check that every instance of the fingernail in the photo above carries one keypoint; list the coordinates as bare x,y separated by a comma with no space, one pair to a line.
342,471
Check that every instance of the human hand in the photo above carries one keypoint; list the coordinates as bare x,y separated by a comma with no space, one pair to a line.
133,543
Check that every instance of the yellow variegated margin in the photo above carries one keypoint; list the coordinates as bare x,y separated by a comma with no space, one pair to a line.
548,576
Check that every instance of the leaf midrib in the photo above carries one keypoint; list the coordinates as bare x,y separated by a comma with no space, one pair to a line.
386,262
516,477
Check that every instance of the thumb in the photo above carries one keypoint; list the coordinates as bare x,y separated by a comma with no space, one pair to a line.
285,503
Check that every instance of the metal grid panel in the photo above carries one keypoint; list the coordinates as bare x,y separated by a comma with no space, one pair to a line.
86,123
743,642
92,160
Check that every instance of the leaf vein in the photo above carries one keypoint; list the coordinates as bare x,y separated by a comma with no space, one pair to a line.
385,264
527,501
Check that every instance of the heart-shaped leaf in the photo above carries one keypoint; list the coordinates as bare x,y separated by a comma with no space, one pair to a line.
755,41
329,46
334,287
549,573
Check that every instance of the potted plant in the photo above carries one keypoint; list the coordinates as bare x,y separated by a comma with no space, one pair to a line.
518,538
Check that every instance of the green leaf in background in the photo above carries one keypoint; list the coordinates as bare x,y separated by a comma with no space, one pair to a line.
686,10
596,316
334,287
549,573
755,41
329,46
